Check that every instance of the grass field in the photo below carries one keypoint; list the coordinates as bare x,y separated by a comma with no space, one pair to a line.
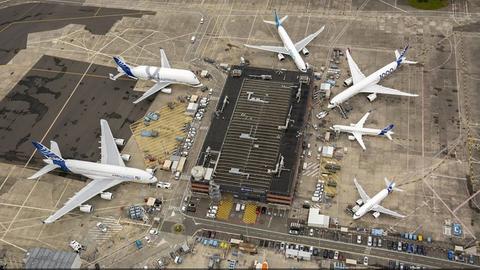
428,4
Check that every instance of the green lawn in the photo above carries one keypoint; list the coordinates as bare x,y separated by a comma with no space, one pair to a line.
428,4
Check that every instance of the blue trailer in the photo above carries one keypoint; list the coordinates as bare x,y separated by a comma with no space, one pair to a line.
138,244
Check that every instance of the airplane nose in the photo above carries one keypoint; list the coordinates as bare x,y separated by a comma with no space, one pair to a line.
331,106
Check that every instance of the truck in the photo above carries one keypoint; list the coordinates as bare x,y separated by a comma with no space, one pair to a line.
77,247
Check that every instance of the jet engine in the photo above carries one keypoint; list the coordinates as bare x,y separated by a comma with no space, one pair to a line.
119,142
372,97
376,214
106,195
351,137
281,57
166,90
305,51
125,157
86,208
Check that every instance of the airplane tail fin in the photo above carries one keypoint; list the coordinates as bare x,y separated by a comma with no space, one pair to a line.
52,154
277,21
122,66
387,131
400,57
391,186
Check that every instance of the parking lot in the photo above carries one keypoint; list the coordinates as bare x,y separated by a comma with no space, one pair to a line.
70,65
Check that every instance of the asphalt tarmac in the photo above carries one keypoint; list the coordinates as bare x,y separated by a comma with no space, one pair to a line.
16,22
64,100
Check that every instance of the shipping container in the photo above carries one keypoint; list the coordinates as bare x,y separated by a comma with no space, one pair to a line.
181,164
174,166
167,164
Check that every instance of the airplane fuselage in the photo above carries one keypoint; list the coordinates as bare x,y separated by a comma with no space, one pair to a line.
359,86
288,44
363,131
94,170
173,75
367,206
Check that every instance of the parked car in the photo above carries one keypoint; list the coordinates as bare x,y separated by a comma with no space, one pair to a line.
369,242
164,185
335,256
450,255
294,232
359,239
331,253
365,261
322,114
102,227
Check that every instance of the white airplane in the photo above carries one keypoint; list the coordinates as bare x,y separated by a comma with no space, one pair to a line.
357,130
373,204
288,47
162,76
110,172
362,84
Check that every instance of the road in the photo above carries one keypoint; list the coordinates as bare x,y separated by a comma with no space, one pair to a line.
194,224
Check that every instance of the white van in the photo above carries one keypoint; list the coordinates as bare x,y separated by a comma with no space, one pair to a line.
237,208
164,185
192,39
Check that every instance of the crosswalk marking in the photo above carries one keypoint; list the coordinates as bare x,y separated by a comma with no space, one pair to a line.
112,227
312,169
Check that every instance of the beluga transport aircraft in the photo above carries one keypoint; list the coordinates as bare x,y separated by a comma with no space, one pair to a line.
373,204
162,76
362,84
357,130
288,47
110,172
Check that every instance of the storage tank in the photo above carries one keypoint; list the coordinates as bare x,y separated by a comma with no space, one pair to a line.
198,172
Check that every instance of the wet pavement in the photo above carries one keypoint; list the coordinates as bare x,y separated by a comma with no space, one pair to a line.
16,22
64,100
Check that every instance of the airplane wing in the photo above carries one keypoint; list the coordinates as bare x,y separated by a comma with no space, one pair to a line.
89,191
378,89
363,194
275,49
357,75
110,154
362,121
358,137
386,211
164,59
304,42
157,87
